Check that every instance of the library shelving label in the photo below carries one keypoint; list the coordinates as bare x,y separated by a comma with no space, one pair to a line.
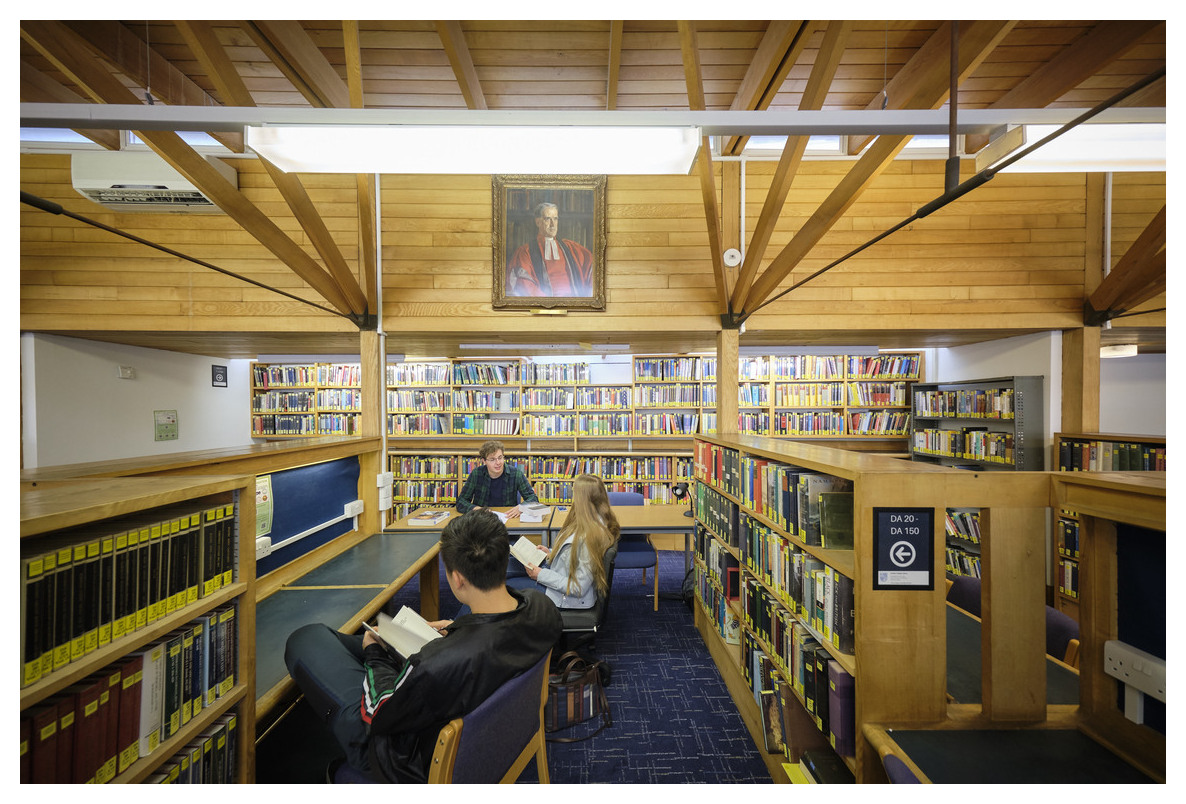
903,544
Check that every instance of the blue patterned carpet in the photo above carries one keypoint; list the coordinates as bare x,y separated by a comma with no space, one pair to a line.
674,722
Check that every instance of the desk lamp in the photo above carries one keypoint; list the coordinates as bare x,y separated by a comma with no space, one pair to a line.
680,491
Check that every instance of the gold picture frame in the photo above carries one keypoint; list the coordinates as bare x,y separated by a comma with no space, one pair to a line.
549,242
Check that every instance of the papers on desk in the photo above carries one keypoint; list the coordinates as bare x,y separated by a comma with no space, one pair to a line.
427,518
527,552
533,512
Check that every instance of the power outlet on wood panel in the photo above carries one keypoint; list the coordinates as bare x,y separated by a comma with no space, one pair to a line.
1140,672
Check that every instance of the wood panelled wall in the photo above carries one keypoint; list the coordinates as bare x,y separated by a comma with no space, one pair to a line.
1136,198
1008,255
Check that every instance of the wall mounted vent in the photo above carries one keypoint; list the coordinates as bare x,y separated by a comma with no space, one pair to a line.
141,182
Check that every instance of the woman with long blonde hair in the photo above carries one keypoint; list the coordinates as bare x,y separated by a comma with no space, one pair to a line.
576,573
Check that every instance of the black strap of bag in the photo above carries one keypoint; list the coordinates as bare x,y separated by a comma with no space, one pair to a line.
573,669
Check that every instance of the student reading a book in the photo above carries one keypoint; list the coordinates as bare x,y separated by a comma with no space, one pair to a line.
494,484
575,571
386,711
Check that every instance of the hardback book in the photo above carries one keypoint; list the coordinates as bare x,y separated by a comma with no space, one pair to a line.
826,767
810,488
44,731
128,729
772,722
527,552
174,675
843,614
835,519
152,697
428,518
841,710
405,633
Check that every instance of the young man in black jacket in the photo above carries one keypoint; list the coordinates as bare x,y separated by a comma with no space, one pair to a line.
386,713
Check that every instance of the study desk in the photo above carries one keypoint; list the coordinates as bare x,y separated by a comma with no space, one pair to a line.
964,664
516,526
341,593
1005,756
658,519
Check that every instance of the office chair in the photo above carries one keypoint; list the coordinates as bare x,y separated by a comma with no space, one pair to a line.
898,771
493,743
1062,637
965,593
635,551
581,625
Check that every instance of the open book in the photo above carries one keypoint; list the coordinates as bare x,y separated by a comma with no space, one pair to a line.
527,552
405,633
428,517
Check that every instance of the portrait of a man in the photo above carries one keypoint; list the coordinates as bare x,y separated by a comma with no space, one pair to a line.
549,241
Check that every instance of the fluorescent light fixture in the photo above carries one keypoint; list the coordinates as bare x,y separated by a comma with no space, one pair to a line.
1121,350
1087,148
519,347
622,150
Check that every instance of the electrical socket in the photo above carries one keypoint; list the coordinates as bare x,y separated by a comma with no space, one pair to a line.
1135,667
354,508
263,547
385,480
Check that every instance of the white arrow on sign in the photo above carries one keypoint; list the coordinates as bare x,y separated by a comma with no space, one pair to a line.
902,554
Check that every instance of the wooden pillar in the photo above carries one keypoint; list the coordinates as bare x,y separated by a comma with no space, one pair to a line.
728,341
731,212
1081,347
372,360
1012,601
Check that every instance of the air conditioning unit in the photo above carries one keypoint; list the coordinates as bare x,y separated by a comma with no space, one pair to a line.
141,182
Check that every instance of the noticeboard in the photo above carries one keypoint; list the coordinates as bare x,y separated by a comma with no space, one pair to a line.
903,548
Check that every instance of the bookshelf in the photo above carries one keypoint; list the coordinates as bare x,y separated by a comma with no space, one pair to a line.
1093,452
668,397
185,546
979,424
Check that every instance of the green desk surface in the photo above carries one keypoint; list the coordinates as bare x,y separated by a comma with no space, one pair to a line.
379,560
1013,756
964,665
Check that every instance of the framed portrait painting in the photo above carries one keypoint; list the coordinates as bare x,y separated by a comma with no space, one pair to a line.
549,242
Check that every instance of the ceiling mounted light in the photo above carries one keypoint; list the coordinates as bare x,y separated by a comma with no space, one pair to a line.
1096,148
625,150
1121,350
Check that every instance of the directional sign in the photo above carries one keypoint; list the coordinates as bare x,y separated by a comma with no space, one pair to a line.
903,548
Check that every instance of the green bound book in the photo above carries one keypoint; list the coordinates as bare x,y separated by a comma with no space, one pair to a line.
836,522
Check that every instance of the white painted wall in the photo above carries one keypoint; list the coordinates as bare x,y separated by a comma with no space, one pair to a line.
76,409
1132,395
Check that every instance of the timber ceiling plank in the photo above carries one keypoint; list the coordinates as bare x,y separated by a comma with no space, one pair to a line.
365,182
453,39
922,84
780,48
199,35
299,58
822,72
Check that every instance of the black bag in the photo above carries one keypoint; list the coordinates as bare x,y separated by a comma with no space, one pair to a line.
688,589
575,695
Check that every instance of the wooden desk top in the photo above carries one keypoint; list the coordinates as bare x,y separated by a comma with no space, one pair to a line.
403,525
655,518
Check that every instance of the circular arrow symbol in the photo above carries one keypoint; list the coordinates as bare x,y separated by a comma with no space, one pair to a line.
902,554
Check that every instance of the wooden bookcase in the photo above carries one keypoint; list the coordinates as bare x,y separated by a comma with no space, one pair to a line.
979,424
1093,452
668,398
118,516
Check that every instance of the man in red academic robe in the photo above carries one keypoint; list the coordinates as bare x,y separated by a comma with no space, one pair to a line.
550,265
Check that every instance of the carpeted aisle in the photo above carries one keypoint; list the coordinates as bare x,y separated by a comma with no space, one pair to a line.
674,721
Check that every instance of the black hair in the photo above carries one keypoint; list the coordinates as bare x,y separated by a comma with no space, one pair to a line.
477,545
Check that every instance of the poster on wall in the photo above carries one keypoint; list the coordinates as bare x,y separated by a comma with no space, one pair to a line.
263,505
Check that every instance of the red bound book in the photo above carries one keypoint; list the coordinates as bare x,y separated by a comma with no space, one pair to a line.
44,739
128,728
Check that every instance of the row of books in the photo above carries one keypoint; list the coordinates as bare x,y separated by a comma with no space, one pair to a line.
963,524
418,374
436,491
469,424
969,443
809,592
275,424
813,423
719,466
809,394
814,507
974,403
494,401
605,424
814,681
1068,577
879,422
265,376
570,373
487,374
339,424
889,394
549,398
556,424
1110,456
724,618
681,394
283,401
1068,538
418,424
98,728
443,467
340,398
213,758
612,467
343,375
753,395
717,514
95,586
666,368
883,366
418,400
603,396
685,424
962,562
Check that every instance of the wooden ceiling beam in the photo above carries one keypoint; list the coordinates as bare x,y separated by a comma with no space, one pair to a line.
364,182
923,83
453,39
37,87
199,36
1079,61
615,64
822,72
116,44
781,45
213,56
291,49
690,53
1138,276
66,51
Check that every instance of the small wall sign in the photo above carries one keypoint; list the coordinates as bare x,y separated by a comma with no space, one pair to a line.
165,425
218,376
903,548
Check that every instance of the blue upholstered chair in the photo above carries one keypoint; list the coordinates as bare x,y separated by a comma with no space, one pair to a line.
493,743
635,551
965,593
1062,637
898,771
